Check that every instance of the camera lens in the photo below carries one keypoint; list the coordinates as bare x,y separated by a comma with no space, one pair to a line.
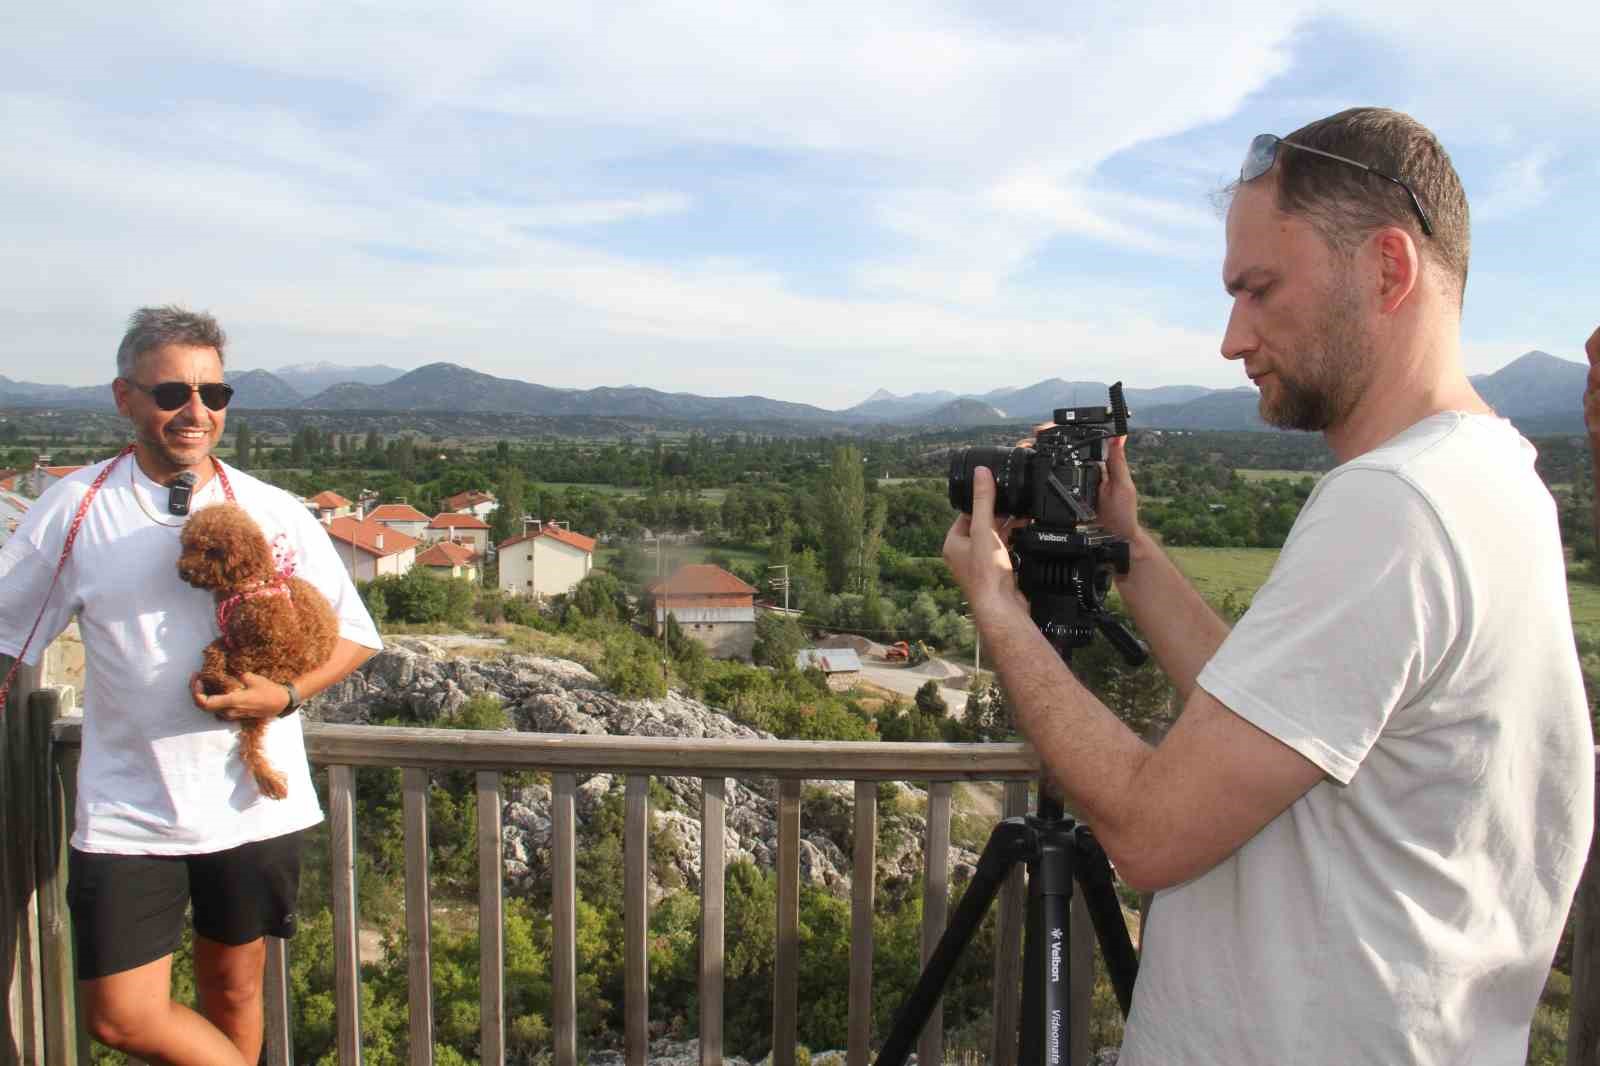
1011,468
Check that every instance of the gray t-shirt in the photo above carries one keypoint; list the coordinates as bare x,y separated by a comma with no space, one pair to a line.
1414,642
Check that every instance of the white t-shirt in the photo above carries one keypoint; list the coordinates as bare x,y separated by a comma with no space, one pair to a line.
1414,642
159,776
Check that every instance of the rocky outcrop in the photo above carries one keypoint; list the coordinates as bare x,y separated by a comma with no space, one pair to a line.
420,681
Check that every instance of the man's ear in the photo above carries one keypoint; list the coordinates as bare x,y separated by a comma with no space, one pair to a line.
1399,267
119,392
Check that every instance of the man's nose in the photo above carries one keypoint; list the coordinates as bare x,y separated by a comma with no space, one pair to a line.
1238,339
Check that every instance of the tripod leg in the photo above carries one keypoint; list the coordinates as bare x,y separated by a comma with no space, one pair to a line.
1009,844
1105,911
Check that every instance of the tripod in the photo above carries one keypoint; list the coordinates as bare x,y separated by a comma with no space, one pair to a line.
1065,579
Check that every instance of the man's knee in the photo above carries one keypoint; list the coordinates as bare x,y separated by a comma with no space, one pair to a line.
229,976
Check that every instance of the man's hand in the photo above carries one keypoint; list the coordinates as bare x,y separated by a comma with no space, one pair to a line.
261,697
977,550
1591,392
1118,509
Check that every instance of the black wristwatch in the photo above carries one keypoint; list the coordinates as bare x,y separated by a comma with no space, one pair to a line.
294,700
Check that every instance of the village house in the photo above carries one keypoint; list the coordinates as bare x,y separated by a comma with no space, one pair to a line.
478,504
35,482
463,528
371,549
400,517
710,605
545,560
12,509
840,666
449,559
329,504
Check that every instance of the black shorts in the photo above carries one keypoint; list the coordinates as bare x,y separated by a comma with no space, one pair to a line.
127,910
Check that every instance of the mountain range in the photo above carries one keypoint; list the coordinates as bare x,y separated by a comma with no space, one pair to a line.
1538,391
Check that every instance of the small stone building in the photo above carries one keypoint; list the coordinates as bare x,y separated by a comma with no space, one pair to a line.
710,605
841,666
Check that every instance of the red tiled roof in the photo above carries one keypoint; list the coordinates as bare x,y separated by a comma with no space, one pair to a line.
447,553
330,499
701,579
396,512
565,536
61,471
457,521
365,536
470,498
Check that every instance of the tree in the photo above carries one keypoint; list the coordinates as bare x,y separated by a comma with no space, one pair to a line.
241,443
778,639
851,529
930,702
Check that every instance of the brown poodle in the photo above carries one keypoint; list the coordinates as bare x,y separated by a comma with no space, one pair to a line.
272,623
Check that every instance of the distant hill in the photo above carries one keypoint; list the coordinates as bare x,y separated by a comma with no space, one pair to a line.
308,379
260,389
1536,386
1538,391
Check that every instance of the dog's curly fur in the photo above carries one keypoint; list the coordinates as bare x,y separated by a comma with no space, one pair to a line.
279,637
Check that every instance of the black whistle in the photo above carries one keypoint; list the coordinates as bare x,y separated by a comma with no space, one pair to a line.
179,490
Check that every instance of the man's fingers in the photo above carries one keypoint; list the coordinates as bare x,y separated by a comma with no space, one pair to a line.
982,501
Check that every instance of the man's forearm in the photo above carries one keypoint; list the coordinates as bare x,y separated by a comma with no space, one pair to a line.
1090,755
1181,628
347,656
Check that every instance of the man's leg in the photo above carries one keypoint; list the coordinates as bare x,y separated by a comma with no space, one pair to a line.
228,978
133,1011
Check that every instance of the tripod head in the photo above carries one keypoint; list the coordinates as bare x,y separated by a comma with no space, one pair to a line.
1065,574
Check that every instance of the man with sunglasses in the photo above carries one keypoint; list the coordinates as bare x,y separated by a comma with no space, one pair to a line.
167,817
1366,827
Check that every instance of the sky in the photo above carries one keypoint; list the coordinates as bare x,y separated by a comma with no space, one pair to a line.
808,202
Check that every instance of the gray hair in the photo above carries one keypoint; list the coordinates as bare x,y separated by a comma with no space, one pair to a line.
150,328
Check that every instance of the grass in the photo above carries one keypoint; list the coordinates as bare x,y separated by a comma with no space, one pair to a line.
1219,571
1277,475
676,555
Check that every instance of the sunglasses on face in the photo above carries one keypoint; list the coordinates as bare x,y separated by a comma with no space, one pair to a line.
171,395
1263,151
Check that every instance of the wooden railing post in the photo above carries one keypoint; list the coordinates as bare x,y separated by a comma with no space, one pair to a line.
1583,1023
22,1024
786,962
863,884
491,923
935,908
636,922
419,914
564,917
713,826
58,987
346,935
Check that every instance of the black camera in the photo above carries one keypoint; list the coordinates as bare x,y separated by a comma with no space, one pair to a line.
1064,561
1057,481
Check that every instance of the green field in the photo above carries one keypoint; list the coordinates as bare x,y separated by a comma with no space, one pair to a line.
714,495
1277,475
1218,571
675,555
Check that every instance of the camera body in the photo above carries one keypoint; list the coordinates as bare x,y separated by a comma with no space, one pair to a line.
1064,560
1057,481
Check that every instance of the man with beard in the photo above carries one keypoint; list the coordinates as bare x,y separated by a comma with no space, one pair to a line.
1366,826
167,816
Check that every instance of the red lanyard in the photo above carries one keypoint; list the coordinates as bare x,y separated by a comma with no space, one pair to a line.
66,549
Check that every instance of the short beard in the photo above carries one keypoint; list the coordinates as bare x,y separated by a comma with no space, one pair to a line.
1332,369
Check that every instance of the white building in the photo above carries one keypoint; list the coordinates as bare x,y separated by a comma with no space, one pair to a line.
370,549
448,559
12,509
478,504
545,560
462,528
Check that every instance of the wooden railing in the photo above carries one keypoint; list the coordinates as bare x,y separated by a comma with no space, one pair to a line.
342,750
38,754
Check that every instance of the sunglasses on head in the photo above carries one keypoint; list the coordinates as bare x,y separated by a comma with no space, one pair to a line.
171,395
1263,151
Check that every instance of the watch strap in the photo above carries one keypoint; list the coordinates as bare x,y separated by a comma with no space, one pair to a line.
294,700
